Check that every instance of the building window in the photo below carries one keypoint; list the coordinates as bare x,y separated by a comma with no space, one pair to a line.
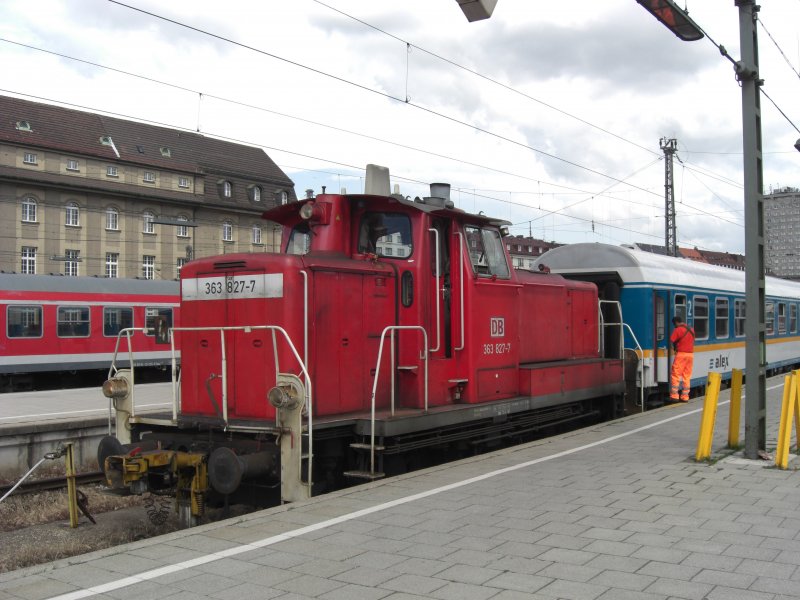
72,165
147,222
165,152
284,197
29,210
71,263
721,318
112,219
256,234
112,265
149,177
227,232
148,267
28,265
179,262
738,317
225,189
29,158
182,230
254,193
72,215
183,182
23,126
111,171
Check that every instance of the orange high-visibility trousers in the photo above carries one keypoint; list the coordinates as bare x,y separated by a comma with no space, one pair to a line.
681,373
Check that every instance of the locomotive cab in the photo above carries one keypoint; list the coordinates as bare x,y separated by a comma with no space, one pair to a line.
387,330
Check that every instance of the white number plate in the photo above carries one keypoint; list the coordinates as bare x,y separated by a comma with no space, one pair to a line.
234,287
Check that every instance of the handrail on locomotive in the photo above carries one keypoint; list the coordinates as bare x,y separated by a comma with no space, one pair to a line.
423,356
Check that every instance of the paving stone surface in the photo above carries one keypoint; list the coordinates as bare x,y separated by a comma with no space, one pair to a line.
619,511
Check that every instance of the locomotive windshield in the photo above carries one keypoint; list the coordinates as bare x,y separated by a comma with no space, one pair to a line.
299,240
385,234
486,252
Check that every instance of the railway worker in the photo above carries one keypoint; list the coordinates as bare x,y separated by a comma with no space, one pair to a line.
682,339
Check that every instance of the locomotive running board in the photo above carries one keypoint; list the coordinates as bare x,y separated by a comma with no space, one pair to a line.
364,475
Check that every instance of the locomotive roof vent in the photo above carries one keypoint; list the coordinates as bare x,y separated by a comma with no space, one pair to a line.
440,196
231,264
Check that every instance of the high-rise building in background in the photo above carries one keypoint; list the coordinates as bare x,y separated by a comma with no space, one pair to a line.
782,232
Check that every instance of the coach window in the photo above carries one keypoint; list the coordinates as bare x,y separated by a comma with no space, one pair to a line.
793,318
157,320
769,317
24,321
680,307
486,252
721,314
385,234
73,321
701,317
739,313
781,317
115,319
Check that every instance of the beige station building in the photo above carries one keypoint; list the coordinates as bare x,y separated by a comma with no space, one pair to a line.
87,194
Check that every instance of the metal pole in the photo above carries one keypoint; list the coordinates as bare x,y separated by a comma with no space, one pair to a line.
669,146
755,435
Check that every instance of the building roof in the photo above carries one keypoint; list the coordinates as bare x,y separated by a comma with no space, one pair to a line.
75,131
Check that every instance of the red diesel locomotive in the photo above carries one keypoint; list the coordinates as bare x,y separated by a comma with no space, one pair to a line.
387,327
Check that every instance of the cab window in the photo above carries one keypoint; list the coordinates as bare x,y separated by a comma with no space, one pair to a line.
486,252
385,234
299,240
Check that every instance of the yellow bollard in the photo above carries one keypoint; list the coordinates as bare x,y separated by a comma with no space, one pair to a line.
709,416
72,491
736,408
787,414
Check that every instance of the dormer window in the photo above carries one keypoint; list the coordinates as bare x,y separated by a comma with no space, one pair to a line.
23,126
225,188
140,149
254,193
106,140
165,152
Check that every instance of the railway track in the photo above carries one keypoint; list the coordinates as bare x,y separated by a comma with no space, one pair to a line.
51,483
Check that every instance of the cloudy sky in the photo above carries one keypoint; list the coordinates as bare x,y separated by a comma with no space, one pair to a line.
549,114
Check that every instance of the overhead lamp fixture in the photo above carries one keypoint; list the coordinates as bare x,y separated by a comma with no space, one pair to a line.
675,18
477,10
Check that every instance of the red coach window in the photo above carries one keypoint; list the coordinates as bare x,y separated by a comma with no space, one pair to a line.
73,321
24,321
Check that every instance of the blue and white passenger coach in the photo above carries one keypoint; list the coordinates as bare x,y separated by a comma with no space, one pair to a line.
653,288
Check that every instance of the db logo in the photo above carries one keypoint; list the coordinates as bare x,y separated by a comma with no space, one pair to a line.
498,326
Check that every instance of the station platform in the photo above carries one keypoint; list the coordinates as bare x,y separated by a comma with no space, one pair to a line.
618,511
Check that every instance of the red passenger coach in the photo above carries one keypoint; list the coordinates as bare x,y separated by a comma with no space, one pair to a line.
387,330
53,327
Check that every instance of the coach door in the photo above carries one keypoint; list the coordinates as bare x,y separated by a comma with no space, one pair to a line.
661,349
